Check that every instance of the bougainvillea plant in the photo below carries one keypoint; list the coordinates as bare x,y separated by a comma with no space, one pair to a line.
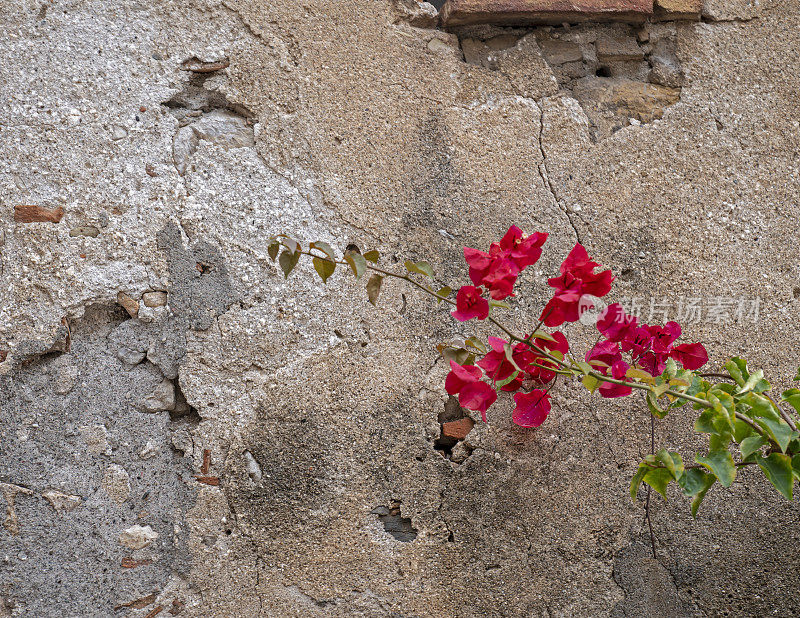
745,425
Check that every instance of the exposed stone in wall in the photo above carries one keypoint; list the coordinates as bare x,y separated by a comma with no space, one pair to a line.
620,74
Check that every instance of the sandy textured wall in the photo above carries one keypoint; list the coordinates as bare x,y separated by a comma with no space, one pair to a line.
356,122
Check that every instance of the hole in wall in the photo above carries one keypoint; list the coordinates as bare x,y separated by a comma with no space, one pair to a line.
454,425
394,523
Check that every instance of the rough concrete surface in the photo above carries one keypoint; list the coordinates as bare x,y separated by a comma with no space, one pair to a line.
282,438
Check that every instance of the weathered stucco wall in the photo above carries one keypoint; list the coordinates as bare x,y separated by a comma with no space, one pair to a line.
267,430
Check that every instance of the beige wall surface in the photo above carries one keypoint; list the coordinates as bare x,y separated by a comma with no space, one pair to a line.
163,378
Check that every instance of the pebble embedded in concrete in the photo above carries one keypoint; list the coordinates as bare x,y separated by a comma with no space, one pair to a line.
117,483
62,502
137,537
162,398
154,299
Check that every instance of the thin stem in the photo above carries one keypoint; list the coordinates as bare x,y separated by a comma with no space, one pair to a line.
723,376
647,502
784,415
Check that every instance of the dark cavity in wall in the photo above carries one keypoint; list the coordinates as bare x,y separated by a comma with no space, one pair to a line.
394,523
455,424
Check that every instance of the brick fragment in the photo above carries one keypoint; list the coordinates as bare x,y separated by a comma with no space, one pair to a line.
678,9
130,563
37,214
208,480
459,429
525,12
138,603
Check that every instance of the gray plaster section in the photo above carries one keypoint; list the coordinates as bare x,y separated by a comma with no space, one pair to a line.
72,424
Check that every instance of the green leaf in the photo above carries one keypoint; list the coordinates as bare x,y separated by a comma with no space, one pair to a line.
374,288
741,430
324,268
357,263
737,368
779,430
459,355
540,334
708,481
792,397
500,304
421,268
751,445
324,247
659,390
586,368
720,463
509,352
760,407
288,261
273,249
652,404
590,383
719,441
704,422
751,382
372,256
671,369
658,479
725,405
672,461
292,245
693,481
796,466
476,343
636,481
508,380
641,375
778,469
443,293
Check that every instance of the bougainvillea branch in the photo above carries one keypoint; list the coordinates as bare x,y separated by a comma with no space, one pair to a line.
738,414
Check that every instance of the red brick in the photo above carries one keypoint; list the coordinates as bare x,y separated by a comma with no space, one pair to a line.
459,429
37,214
524,12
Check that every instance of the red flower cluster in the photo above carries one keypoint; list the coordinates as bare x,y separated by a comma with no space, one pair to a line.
524,367
497,271
577,280
465,381
530,367
648,347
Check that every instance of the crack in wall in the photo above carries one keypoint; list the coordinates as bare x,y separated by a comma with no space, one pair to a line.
545,176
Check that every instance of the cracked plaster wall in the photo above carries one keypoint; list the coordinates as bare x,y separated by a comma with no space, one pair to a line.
272,424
